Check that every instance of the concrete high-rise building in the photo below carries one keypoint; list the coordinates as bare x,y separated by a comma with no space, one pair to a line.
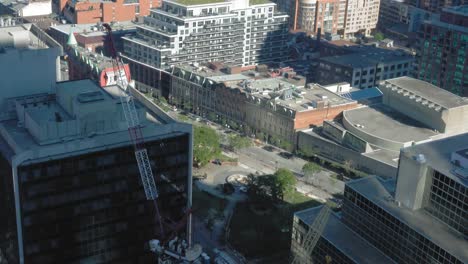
29,62
436,6
419,217
239,32
443,50
361,17
71,182
392,12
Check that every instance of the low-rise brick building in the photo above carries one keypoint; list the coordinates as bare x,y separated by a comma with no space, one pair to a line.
276,103
85,12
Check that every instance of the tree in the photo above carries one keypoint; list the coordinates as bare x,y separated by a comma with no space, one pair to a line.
310,168
212,116
274,141
348,166
162,100
285,181
379,36
205,144
284,144
247,130
260,135
237,142
233,125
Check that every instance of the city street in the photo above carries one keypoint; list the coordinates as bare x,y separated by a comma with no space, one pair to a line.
267,162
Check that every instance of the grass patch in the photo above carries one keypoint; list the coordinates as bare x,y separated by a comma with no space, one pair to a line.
183,118
261,235
295,198
223,157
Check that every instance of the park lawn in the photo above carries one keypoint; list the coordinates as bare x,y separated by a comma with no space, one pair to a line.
183,118
223,157
262,235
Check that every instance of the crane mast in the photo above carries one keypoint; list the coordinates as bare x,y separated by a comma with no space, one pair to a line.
134,128
312,236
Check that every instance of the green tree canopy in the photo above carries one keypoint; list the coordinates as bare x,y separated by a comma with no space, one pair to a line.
238,142
285,181
205,144
379,36
310,168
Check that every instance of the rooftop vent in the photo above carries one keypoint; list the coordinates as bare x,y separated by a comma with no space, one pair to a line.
420,158
460,158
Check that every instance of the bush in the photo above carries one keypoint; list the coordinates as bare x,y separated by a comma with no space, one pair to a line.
237,142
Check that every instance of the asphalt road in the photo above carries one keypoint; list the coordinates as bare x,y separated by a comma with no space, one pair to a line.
265,161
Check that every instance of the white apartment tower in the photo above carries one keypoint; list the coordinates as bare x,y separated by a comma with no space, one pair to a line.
239,32
361,17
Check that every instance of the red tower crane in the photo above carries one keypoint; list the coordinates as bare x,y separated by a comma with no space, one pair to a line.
134,128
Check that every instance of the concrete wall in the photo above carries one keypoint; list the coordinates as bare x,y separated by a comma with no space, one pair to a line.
150,105
372,139
37,9
355,143
414,180
26,72
412,108
331,150
316,116
456,120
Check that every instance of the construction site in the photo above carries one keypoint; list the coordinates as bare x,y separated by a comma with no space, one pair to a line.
92,175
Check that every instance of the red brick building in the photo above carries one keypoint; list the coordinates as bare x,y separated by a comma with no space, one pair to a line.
310,15
94,11
85,64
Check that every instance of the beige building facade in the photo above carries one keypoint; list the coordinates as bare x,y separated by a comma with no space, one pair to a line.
361,17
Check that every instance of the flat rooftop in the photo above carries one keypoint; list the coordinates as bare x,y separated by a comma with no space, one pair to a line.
259,2
428,91
438,153
377,191
365,94
459,10
94,29
378,118
367,57
93,59
385,156
343,238
21,37
52,130
196,2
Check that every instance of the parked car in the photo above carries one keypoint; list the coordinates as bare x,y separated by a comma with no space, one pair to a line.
286,155
243,189
217,162
269,148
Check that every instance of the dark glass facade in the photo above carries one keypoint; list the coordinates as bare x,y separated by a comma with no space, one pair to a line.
449,202
443,57
322,252
91,208
387,233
